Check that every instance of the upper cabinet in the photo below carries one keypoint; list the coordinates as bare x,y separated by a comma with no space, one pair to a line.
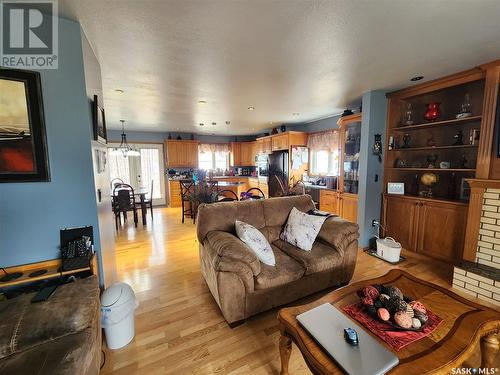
280,142
350,145
235,155
181,154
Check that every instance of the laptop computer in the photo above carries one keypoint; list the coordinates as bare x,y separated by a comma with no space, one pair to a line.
326,325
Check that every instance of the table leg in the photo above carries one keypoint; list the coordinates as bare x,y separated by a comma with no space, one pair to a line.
144,209
285,351
490,346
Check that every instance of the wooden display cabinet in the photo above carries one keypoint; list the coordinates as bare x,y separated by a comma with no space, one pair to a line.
428,226
435,224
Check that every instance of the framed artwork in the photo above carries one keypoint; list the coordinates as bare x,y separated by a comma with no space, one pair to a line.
101,161
99,121
23,145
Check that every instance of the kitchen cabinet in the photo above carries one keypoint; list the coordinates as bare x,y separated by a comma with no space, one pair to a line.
253,182
280,142
174,193
349,207
235,155
182,153
427,226
338,203
267,147
247,154
242,154
328,201
265,188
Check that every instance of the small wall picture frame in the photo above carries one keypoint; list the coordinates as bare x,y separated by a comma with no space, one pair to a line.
397,188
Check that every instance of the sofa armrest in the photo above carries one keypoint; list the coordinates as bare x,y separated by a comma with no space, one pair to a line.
228,246
339,233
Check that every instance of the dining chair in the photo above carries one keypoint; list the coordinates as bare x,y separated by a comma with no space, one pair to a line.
226,196
149,200
124,201
187,194
115,182
255,193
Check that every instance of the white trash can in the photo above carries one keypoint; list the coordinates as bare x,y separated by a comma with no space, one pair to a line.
118,305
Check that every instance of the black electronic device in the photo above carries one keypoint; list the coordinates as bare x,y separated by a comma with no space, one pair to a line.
351,336
76,247
44,294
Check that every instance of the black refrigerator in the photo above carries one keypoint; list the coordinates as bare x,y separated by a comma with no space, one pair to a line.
278,168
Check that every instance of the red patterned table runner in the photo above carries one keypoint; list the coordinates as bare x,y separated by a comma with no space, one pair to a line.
395,339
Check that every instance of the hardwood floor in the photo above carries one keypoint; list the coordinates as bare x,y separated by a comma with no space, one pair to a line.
179,329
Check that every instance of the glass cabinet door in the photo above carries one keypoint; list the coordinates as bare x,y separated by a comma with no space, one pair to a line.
352,145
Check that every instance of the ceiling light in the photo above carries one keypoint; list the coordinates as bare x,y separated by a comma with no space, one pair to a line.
214,123
124,149
251,108
296,113
202,124
202,102
416,78
119,91
271,122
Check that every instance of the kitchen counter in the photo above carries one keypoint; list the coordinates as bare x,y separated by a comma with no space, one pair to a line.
311,186
230,183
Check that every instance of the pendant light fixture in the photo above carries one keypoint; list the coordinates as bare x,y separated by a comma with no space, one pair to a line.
124,149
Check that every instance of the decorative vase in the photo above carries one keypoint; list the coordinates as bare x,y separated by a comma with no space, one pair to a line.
433,112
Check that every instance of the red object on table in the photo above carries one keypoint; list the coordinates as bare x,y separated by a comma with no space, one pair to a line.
433,112
397,340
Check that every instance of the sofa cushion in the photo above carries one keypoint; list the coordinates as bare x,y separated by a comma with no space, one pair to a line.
322,257
71,309
256,241
285,271
301,229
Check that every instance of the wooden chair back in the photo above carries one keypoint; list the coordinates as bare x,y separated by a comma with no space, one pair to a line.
256,193
124,197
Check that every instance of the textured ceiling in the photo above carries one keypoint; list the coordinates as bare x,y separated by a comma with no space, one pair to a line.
280,56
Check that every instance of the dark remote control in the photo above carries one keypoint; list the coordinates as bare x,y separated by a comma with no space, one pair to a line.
44,294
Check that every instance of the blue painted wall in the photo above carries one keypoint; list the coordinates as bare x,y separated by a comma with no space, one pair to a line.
31,214
370,189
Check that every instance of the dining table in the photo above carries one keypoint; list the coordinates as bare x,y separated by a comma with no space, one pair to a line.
141,194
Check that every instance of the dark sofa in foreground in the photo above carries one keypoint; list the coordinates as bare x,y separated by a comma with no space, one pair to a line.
59,336
241,284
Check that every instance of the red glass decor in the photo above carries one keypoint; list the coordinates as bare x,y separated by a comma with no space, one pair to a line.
433,112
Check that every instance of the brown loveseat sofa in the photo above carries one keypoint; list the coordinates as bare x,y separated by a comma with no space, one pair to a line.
241,284
59,336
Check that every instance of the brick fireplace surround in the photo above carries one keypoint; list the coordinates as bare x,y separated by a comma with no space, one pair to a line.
479,273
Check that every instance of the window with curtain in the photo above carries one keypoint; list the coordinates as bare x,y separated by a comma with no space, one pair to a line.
213,156
150,159
118,167
324,153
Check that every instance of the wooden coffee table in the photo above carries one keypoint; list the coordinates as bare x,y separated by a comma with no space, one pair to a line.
465,324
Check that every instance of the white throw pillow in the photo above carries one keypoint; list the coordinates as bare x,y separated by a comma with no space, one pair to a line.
256,241
301,229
